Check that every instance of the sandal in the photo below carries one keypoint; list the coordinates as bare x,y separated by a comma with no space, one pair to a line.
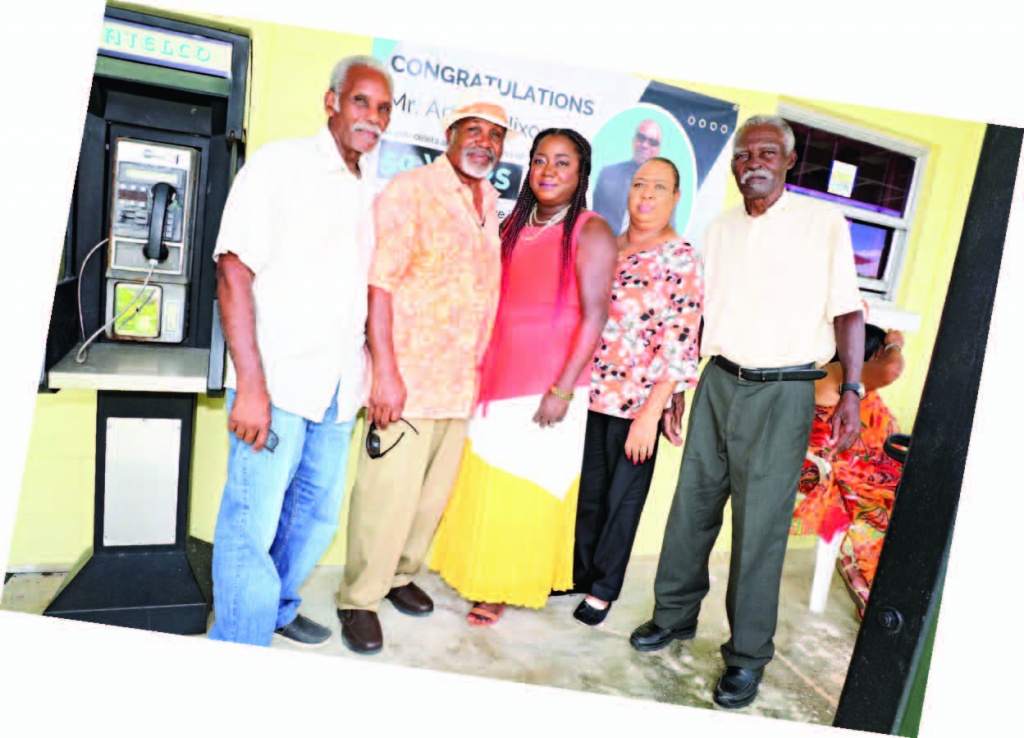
489,617
855,583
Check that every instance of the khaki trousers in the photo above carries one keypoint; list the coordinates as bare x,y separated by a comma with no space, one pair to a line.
396,505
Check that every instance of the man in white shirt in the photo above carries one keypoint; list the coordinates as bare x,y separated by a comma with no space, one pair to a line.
292,267
780,295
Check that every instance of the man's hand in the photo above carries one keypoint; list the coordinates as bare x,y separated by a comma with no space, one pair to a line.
250,417
387,398
552,409
845,424
672,420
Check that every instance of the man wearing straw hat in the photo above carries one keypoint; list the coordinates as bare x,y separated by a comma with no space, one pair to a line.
433,294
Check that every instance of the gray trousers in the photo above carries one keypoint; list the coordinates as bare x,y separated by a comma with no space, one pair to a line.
747,439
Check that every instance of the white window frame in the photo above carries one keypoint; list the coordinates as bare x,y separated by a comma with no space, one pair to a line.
885,287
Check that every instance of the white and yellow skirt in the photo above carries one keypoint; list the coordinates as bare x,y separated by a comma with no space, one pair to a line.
508,531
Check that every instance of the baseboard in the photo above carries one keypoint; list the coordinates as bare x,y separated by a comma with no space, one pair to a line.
40,569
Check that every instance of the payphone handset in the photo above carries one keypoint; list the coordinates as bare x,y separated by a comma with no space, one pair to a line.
152,207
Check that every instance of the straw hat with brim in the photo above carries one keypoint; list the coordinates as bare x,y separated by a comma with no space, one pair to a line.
492,112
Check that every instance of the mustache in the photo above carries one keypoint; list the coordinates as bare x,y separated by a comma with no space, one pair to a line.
759,172
478,150
368,127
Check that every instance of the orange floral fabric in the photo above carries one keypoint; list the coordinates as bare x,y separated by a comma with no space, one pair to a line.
443,270
858,494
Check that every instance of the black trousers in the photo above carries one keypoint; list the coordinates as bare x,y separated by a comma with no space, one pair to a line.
611,498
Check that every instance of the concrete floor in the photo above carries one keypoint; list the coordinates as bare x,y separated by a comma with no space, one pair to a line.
548,647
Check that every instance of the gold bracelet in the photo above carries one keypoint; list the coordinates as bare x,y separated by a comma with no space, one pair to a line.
559,394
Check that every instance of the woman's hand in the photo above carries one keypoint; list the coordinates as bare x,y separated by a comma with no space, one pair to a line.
893,336
551,411
643,433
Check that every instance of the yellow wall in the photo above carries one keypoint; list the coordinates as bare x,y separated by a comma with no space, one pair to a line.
290,69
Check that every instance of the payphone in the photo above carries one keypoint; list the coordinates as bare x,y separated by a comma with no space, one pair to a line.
149,262
135,316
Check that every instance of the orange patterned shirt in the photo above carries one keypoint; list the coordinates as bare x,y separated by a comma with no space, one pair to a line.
443,270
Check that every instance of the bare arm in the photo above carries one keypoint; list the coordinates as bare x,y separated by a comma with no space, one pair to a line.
250,415
887,367
826,389
388,393
597,255
875,374
395,225
643,431
681,332
849,330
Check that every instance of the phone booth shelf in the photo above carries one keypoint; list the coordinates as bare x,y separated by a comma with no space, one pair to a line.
133,368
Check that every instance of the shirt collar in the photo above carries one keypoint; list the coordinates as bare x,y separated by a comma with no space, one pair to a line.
328,152
784,201
455,185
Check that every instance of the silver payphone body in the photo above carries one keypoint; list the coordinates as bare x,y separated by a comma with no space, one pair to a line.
152,206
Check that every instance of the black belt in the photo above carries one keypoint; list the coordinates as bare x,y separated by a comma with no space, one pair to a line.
782,374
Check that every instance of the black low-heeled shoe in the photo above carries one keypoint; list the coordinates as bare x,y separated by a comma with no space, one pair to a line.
590,615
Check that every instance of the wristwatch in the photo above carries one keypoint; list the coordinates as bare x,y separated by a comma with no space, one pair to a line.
853,387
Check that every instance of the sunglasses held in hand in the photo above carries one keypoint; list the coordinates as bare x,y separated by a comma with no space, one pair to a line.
373,440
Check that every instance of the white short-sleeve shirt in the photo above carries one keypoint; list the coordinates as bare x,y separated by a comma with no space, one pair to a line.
774,283
299,219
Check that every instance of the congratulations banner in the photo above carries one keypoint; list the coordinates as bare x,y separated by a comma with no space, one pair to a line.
627,120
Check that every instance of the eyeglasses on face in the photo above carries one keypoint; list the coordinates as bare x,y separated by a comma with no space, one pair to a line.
642,139
373,440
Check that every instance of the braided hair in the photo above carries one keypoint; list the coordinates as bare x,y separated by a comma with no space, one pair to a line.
517,219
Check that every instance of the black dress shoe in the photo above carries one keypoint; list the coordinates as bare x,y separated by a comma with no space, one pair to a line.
590,615
411,600
737,687
360,631
652,637
304,632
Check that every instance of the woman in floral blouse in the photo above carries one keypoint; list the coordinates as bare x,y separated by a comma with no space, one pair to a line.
648,351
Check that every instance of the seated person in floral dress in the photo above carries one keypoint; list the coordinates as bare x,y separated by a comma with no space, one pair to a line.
853,492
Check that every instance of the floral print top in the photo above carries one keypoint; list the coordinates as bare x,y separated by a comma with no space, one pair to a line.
651,334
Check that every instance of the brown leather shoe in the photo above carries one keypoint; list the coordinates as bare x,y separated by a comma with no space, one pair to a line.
411,600
360,631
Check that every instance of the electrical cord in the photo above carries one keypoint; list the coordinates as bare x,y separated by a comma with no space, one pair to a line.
83,354
81,318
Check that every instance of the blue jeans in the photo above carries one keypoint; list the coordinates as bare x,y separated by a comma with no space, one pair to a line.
278,515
